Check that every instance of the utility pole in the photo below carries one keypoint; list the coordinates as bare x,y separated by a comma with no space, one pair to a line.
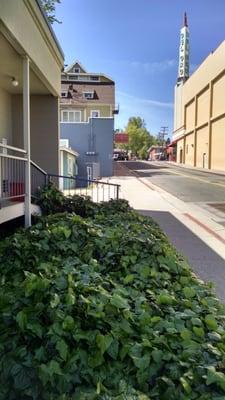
163,132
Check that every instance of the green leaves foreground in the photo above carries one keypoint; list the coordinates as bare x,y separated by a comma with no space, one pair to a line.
103,308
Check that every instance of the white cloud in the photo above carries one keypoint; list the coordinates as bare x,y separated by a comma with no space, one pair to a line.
155,66
144,102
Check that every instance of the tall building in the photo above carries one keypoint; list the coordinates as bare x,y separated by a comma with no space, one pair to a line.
87,107
199,109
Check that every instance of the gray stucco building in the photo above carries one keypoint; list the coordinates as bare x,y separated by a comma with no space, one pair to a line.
94,143
87,107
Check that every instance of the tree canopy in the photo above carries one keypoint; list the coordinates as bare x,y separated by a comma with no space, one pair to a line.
49,8
139,138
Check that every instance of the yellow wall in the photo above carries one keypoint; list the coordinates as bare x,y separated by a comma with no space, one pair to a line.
218,144
219,96
202,147
180,147
104,110
5,116
203,107
190,117
189,150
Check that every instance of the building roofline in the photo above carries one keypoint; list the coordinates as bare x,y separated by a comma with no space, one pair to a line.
68,150
204,60
50,28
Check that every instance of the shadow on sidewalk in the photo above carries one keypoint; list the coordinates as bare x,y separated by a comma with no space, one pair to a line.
207,265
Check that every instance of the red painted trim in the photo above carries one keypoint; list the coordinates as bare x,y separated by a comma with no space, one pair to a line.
205,227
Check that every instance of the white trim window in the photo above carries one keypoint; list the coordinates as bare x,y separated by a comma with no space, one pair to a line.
71,116
88,95
70,165
95,113
94,78
76,70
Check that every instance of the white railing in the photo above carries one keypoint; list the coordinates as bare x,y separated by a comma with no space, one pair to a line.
12,175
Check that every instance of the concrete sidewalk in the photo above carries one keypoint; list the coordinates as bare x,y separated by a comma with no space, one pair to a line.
189,229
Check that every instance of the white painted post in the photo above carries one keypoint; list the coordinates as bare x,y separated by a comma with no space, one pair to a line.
26,138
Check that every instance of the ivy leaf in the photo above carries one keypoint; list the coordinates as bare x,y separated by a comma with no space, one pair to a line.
199,331
62,348
113,349
215,377
185,385
165,299
211,322
189,292
141,362
68,323
103,342
55,300
21,319
118,301
186,334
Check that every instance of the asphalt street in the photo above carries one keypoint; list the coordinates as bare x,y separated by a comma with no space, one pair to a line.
187,185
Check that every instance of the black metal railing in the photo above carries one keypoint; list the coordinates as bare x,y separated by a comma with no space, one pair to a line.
39,178
98,191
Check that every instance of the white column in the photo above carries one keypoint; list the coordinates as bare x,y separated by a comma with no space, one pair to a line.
26,138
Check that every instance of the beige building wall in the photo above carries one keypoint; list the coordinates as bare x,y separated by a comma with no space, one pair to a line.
189,149
218,144
218,92
203,100
5,116
190,116
44,129
203,104
180,151
202,149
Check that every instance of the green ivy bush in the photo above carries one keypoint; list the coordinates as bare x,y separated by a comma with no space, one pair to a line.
51,201
104,308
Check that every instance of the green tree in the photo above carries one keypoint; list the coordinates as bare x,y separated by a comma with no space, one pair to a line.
49,8
139,138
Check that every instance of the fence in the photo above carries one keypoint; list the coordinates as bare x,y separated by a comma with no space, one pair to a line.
97,190
12,173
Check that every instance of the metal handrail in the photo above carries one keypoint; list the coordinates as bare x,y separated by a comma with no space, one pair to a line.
92,187
39,168
17,149
82,179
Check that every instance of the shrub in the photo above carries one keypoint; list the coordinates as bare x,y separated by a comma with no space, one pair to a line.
104,308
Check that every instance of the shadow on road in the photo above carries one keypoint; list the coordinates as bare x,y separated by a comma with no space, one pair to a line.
207,265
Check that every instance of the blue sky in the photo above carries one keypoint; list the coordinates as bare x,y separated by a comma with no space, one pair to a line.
136,43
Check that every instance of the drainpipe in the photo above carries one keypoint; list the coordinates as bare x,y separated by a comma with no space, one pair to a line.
26,138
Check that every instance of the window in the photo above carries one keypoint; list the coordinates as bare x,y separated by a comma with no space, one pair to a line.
94,78
73,78
83,78
71,116
95,113
70,165
88,95
76,70
64,94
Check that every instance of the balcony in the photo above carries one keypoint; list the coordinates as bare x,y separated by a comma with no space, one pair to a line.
16,174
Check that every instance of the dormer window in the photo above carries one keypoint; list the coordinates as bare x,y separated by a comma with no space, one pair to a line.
88,95
76,70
